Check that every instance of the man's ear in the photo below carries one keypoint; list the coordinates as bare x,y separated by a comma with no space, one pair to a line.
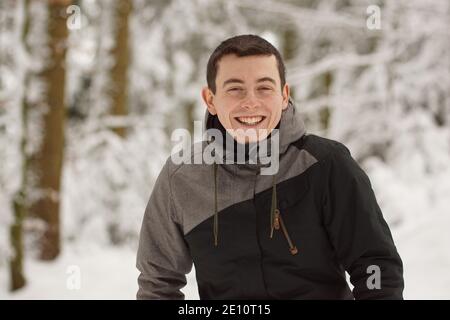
285,92
208,96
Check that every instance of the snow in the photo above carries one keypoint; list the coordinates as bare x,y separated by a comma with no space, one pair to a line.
426,258
105,273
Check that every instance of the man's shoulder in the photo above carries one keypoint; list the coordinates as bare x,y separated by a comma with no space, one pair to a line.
188,161
334,154
322,148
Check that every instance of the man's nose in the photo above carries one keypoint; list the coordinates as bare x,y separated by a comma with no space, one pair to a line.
250,101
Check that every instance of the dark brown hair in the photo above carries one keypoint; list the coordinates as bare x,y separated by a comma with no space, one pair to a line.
242,46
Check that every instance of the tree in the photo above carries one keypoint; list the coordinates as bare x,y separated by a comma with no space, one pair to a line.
121,57
20,203
49,158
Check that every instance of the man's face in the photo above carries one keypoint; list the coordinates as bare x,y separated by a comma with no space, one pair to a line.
248,96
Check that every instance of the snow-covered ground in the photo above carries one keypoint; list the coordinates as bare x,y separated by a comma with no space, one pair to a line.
108,273
425,250
104,273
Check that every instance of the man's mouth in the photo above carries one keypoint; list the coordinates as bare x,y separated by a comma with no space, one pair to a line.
250,121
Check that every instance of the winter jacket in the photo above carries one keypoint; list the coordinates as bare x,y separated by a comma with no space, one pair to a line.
291,235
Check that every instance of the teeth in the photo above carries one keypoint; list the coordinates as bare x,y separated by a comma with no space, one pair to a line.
250,120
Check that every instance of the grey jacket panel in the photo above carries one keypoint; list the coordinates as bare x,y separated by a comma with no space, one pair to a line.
163,258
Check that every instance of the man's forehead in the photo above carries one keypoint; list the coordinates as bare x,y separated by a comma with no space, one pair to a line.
261,66
232,59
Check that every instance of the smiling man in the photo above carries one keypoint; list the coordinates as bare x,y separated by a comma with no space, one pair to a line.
252,94
289,235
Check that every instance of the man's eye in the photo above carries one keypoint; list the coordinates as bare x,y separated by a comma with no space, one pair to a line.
234,89
265,88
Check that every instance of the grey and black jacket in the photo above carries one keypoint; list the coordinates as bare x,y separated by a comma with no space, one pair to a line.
291,235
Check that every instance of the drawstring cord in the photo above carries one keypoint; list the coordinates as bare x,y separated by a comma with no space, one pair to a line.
273,207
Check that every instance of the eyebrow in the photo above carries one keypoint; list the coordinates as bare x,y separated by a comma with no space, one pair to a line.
235,80
232,80
266,79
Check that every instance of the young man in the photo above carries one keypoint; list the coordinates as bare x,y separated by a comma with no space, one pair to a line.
288,235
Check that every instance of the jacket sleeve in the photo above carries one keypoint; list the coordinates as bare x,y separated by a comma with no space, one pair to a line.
163,257
358,232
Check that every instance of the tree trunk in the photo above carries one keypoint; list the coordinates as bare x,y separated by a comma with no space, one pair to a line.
289,48
20,204
49,159
16,236
121,57
16,230
325,112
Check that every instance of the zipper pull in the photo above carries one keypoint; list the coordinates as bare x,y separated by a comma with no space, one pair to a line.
292,248
276,222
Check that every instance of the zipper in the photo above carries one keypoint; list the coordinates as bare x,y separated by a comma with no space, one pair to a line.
277,223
